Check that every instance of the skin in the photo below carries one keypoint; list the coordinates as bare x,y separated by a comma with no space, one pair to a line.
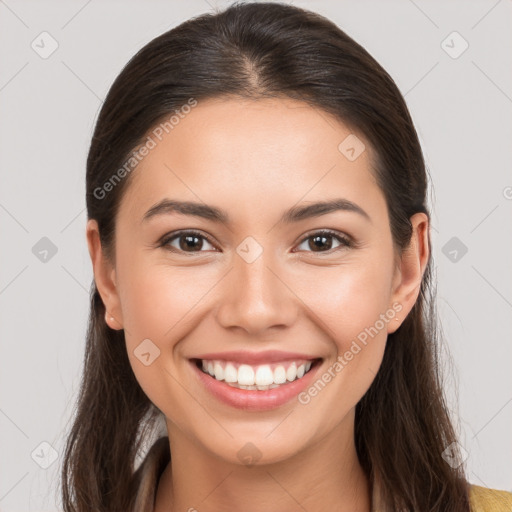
256,159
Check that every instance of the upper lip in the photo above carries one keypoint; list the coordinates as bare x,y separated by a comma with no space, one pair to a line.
248,357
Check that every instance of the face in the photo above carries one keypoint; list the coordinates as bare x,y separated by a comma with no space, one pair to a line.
267,288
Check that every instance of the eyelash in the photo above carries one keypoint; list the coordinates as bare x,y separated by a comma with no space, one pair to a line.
346,242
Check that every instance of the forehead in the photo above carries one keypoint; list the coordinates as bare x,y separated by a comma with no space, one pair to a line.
229,151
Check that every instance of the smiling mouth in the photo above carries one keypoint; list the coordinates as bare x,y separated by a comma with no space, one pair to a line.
260,377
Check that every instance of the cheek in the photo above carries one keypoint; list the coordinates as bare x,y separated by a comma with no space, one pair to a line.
158,300
348,299
348,303
158,305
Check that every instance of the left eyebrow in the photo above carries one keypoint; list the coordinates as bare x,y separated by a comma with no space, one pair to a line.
294,214
298,213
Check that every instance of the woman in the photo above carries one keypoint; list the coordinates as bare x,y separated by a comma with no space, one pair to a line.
259,234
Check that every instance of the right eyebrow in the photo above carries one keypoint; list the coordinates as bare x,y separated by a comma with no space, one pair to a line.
169,206
294,214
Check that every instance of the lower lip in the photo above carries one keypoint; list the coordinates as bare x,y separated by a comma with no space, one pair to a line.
254,400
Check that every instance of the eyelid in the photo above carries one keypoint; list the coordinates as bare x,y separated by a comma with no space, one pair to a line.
168,237
344,239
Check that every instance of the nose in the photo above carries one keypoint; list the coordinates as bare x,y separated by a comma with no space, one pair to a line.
256,297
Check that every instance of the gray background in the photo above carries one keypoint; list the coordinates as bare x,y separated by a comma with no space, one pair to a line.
462,110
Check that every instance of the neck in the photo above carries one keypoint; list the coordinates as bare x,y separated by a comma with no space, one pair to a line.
325,476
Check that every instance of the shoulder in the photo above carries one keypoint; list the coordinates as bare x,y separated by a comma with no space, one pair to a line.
483,499
148,474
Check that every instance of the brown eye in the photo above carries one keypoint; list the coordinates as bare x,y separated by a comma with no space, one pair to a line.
187,241
322,241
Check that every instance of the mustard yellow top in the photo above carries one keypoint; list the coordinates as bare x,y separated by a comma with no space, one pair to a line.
481,499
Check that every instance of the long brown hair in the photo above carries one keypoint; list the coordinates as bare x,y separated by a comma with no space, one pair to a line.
257,50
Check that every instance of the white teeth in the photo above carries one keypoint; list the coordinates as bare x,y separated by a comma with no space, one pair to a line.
260,388
230,373
291,373
219,371
245,375
279,375
262,377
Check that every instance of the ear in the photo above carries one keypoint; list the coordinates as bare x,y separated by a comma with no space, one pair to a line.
410,269
104,276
